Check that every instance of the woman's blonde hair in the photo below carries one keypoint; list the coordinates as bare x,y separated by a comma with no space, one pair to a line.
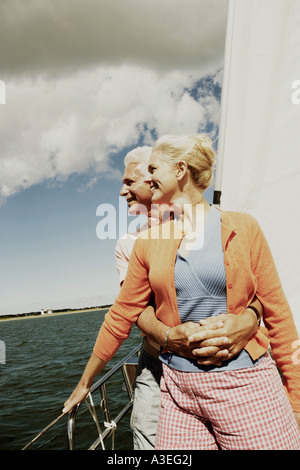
196,150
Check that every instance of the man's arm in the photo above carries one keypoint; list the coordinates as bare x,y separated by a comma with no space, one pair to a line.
175,339
215,339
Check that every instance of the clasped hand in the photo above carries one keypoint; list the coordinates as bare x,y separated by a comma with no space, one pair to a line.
213,340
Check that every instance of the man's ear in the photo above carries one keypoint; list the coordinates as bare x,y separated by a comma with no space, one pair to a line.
181,169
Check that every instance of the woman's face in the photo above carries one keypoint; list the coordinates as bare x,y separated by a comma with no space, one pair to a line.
164,183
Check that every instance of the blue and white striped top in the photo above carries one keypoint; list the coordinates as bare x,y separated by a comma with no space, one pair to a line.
200,283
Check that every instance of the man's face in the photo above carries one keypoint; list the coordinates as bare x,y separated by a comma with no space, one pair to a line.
136,189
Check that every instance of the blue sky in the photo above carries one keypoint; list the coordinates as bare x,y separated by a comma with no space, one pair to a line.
74,107
51,256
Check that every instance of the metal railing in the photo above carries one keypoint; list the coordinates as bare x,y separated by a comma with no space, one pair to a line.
128,366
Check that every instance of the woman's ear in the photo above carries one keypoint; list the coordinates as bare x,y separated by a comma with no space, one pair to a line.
181,170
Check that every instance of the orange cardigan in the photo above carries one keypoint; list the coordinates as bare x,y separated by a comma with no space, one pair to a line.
250,271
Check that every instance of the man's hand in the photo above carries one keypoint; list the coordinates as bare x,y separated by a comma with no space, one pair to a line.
179,341
211,342
237,329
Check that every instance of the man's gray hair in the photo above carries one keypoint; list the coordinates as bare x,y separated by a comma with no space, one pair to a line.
140,155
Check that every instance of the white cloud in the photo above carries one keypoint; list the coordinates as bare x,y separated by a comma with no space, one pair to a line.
84,79
51,128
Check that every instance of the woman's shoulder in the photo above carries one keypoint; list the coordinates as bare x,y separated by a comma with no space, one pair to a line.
240,220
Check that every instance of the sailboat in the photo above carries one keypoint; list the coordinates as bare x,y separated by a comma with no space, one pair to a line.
258,164
258,168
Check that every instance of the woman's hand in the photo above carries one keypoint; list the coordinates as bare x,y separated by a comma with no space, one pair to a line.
93,367
79,394
297,416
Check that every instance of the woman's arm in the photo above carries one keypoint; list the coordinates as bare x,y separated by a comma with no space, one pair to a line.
277,317
133,298
131,301
93,367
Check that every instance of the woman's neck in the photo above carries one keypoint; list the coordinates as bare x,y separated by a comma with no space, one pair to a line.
192,212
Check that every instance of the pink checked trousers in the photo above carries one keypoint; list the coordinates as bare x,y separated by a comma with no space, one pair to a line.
245,409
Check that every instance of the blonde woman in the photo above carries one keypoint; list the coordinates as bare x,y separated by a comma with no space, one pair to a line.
206,262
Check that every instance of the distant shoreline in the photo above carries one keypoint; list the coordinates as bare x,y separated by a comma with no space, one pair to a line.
25,316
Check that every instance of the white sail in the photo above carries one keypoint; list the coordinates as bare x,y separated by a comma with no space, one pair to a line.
258,168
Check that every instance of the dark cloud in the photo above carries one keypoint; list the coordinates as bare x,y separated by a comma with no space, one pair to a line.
54,36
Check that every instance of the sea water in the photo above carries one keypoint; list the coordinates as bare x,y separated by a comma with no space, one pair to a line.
44,359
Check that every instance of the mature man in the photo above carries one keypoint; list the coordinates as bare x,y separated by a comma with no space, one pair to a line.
223,336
